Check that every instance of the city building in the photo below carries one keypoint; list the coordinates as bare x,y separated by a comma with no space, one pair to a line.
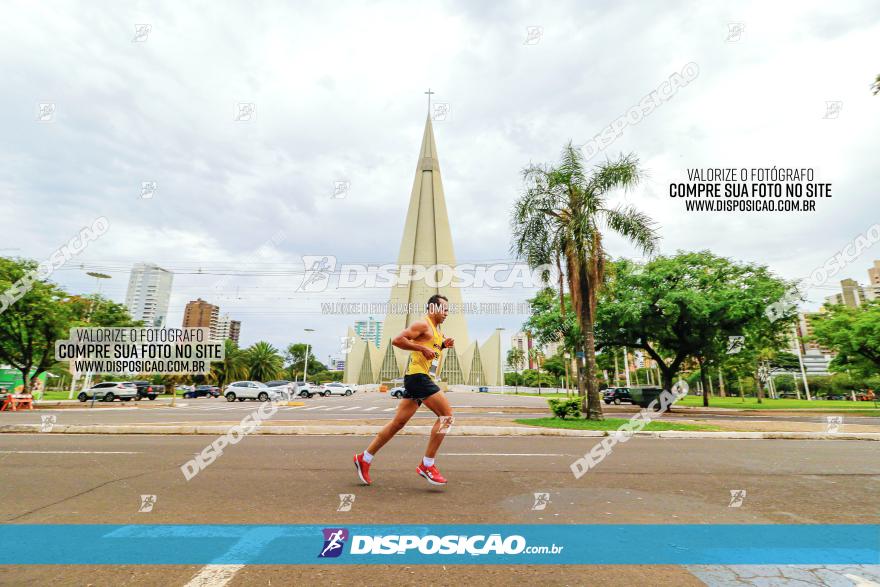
523,342
149,291
201,314
426,241
852,294
227,328
234,330
815,358
872,290
369,330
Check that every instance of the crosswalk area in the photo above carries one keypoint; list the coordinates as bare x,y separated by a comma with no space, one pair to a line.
245,406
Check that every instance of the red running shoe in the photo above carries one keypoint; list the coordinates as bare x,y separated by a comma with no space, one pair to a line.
363,468
431,474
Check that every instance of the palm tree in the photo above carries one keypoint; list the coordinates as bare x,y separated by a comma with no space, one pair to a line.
515,358
232,367
263,361
564,211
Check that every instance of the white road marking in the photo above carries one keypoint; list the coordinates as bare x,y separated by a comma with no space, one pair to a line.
69,452
214,576
371,409
389,409
312,408
502,454
351,408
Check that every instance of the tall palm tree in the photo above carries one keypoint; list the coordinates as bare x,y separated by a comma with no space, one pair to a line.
263,361
232,367
564,211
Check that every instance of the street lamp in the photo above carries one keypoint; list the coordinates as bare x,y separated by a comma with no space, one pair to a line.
306,364
87,382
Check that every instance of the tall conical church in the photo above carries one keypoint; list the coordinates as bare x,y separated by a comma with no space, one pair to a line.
426,242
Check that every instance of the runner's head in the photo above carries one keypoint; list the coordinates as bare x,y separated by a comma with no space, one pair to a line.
438,308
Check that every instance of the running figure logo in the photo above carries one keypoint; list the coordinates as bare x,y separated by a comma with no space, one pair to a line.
317,272
737,496
334,541
346,500
541,501
147,503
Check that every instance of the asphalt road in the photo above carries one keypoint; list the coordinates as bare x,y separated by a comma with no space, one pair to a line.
468,405
58,479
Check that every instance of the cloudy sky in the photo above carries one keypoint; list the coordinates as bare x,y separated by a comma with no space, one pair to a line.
338,95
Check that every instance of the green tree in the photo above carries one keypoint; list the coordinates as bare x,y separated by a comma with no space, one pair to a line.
854,333
233,366
30,324
515,360
96,310
294,359
263,361
564,212
688,306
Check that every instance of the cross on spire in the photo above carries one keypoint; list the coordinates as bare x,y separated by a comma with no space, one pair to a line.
429,92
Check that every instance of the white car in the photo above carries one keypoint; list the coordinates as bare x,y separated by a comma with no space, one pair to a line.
309,389
336,389
397,392
242,390
110,390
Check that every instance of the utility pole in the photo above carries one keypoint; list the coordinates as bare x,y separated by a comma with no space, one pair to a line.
797,345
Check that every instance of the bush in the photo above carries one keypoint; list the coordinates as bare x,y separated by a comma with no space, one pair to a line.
565,407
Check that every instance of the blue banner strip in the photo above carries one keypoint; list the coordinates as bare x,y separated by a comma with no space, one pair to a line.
440,544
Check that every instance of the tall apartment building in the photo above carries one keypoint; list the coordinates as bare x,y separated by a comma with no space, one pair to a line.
852,294
816,358
227,328
149,291
234,330
523,342
873,288
201,314
369,330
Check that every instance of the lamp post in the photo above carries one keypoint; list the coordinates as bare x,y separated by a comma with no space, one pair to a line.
87,382
306,364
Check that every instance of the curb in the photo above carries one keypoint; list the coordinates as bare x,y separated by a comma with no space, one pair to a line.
361,430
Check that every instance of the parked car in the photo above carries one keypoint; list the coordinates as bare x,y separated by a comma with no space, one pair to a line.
145,389
242,390
109,391
617,396
396,392
336,388
286,388
838,396
788,395
309,389
202,391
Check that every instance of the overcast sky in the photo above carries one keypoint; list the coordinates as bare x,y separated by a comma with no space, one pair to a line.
338,96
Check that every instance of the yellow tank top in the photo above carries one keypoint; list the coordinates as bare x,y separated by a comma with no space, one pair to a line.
418,363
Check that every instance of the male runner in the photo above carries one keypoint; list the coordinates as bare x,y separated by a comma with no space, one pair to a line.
425,341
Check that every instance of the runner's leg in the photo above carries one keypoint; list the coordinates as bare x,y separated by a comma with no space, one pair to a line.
439,404
405,410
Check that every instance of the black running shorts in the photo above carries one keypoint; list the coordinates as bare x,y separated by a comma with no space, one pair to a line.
418,386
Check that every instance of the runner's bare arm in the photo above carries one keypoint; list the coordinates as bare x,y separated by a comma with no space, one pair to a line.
406,339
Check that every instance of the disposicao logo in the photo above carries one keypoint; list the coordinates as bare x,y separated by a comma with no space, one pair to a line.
334,542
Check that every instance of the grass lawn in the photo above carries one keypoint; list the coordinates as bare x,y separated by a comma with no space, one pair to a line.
751,403
608,424
780,404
